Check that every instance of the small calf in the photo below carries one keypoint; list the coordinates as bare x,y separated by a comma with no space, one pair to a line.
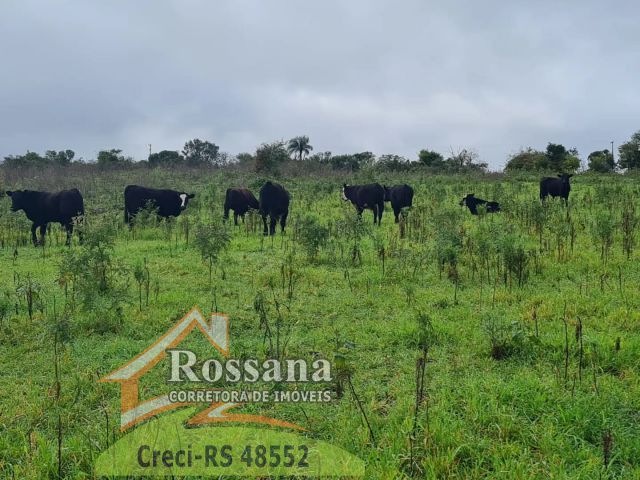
472,204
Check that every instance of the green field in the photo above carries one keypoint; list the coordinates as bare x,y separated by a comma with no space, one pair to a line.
529,320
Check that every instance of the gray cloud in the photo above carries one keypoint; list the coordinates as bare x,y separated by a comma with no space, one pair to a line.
391,77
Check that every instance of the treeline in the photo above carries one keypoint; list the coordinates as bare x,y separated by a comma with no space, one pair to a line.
271,157
558,158
196,153
268,157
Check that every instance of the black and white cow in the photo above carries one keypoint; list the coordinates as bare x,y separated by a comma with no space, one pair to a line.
170,203
472,204
240,200
45,207
370,196
556,187
400,196
274,202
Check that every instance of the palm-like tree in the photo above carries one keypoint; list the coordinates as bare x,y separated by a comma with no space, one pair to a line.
299,146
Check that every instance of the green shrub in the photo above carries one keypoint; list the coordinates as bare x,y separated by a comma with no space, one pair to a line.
312,235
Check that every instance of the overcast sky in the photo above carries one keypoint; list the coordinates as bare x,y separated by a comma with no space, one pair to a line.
353,75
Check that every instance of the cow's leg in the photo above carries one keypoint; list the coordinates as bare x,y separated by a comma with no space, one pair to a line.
242,217
34,239
225,215
80,234
359,210
264,222
128,218
272,225
235,218
43,233
396,213
380,211
69,228
375,214
283,221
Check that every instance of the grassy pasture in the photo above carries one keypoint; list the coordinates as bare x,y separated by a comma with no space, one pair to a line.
530,320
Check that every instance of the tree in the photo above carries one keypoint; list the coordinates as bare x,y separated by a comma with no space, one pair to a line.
556,158
562,160
29,159
465,160
556,154
601,161
269,156
166,158
352,162
300,146
224,159
112,159
630,152
429,158
33,159
61,158
198,153
393,163
244,158
528,159
571,162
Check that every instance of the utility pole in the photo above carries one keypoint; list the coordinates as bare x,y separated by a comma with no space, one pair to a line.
613,158
150,148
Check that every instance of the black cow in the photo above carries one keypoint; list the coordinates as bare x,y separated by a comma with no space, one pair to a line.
400,196
170,203
472,204
370,196
45,207
556,187
240,200
274,202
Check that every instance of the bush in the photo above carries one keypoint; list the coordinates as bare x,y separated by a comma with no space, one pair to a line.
269,156
312,235
99,280
601,161
505,339
211,240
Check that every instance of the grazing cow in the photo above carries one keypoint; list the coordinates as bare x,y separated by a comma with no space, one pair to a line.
240,200
274,202
370,196
170,203
44,207
400,196
472,204
556,187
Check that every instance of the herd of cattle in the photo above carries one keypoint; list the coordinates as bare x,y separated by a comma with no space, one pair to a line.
64,207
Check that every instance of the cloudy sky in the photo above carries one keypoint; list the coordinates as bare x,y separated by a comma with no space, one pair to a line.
378,75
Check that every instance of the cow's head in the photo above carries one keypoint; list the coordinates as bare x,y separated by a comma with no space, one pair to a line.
184,199
18,199
346,189
387,193
468,199
564,177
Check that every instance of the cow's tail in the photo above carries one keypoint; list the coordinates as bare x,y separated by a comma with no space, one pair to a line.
127,217
227,204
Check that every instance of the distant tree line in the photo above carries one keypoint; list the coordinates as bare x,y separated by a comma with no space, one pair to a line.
270,157
558,158
61,158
